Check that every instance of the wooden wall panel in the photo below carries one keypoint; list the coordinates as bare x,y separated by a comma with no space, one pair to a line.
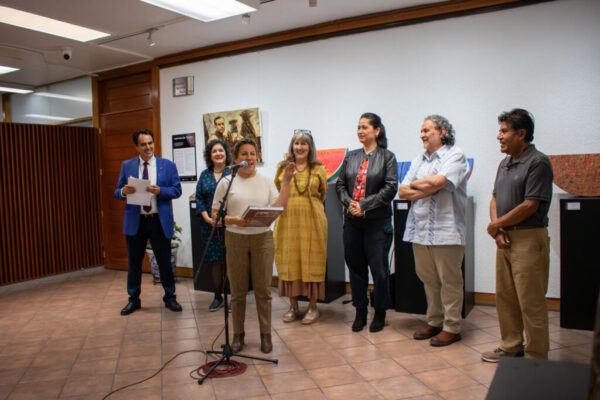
126,104
50,214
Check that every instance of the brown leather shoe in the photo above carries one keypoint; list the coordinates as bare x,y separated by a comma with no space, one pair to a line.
427,332
237,344
444,339
265,343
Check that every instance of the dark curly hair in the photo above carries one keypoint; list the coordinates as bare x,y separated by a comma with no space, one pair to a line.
208,150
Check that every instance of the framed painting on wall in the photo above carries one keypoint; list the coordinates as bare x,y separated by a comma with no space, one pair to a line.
231,126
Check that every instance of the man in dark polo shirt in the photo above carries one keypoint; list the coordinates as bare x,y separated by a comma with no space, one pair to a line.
519,220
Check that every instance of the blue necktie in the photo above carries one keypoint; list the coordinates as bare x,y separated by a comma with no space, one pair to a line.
145,176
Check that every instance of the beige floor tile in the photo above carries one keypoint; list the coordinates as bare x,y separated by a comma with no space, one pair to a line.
137,379
140,363
85,385
468,393
482,372
347,340
405,347
38,374
400,387
363,353
84,368
415,363
325,358
36,391
386,335
354,391
191,391
151,393
445,379
286,363
379,369
312,394
240,387
333,376
457,354
288,382
11,376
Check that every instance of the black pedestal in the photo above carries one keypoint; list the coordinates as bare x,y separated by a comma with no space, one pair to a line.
335,276
528,379
204,281
579,266
410,294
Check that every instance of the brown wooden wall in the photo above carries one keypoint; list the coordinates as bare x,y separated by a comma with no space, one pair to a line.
125,104
49,203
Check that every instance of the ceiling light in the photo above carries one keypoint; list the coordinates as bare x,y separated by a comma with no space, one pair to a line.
15,88
50,117
206,10
151,42
48,25
63,97
6,70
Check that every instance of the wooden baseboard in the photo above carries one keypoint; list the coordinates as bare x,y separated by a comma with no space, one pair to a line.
482,299
184,271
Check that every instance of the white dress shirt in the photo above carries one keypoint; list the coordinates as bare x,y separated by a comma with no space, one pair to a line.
152,177
439,219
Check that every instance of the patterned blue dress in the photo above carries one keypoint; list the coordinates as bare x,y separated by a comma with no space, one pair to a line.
205,191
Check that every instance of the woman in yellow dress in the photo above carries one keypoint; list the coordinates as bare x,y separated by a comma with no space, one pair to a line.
301,230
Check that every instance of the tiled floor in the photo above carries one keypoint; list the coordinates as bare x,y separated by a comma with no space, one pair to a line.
63,338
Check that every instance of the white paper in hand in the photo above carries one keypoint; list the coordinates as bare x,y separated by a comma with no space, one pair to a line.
141,197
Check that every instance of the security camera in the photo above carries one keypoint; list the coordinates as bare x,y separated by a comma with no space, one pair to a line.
67,53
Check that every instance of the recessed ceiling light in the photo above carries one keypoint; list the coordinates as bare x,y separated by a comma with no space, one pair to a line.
48,25
6,70
63,97
50,117
206,10
15,88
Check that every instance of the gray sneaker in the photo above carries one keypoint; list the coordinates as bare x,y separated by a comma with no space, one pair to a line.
495,355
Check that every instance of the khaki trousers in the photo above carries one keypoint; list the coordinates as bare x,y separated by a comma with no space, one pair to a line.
439,268
250,255
521,285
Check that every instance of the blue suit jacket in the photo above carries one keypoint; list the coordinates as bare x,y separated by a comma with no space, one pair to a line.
167,179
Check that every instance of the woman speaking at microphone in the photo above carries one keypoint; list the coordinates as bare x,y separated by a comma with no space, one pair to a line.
250,250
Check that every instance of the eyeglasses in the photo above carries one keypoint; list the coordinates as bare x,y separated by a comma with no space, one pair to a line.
303,131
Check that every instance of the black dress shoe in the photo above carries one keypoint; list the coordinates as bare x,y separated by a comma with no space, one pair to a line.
173,305
130,307
360,321
378,322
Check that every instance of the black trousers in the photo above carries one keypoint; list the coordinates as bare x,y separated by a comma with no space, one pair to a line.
149,229
367,244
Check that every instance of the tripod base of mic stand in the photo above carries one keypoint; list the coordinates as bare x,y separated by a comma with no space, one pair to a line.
226,354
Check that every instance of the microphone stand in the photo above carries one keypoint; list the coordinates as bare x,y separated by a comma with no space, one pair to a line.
227,352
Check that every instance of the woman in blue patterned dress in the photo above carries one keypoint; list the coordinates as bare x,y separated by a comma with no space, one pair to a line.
216,155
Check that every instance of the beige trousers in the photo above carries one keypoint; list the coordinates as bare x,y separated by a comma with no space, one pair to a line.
250,256
521,285
439,268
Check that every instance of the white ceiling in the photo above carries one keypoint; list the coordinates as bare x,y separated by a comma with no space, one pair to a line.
39,55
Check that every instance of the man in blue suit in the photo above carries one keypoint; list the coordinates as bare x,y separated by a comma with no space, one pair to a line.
153,222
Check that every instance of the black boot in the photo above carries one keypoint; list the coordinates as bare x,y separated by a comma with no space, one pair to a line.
378,321
360,321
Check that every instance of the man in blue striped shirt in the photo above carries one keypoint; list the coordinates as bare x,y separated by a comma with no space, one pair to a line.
437,186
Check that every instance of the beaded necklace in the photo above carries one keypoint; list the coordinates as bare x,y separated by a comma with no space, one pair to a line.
301,192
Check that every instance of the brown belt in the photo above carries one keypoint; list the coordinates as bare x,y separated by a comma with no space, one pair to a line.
520,227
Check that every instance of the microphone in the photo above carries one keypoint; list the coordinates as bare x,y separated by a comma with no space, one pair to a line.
235,167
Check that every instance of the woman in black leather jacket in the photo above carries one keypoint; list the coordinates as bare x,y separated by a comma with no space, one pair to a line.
367,183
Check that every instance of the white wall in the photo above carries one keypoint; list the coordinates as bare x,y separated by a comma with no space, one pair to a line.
543,57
